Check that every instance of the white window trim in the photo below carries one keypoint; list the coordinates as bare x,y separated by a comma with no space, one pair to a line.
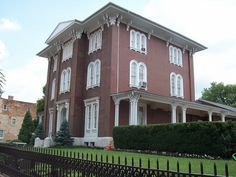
55,59
175,91
135,38
95,41
87,103
175,56
137,81
12,119
53,89
91,74
67,51
65,80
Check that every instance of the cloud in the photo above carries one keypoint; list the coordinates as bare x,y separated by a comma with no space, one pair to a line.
9,25
209,22
3,51
26,83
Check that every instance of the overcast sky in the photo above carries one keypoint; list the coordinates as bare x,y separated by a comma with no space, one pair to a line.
26,24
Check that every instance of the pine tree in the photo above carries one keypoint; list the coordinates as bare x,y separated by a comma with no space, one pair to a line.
26,128
63,137
39,132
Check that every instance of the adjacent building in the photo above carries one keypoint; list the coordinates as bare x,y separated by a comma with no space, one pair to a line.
119,68
12,113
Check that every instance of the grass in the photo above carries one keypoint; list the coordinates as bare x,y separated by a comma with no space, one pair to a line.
105,155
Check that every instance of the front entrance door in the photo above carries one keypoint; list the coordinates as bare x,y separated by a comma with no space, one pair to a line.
142,114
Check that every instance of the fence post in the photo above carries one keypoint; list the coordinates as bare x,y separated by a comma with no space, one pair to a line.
215,170
226,170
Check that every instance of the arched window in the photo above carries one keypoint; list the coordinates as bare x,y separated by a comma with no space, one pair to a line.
133,73
175,55
63,81
180,92
143,43
97,72
137,41
93,74
132,39
53,89
171,54
180,63
173,84
68,79
142,72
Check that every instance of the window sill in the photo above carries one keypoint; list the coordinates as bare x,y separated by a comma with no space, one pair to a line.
92,51
92,87
140,51
137,87
63,60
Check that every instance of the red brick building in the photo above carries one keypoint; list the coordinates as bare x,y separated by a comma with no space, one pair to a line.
12,114
118,68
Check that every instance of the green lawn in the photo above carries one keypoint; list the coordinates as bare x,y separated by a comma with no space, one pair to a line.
207,164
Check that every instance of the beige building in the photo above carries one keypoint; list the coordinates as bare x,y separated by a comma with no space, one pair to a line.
12,113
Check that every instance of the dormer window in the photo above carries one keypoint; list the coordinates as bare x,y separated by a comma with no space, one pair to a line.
95,41
138,41
67,51
175,56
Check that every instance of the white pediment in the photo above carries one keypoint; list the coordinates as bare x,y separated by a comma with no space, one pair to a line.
59,28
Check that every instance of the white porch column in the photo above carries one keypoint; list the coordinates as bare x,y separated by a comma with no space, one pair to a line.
117,109
67,111
223,117
58,117
173,113
184,114
133,115
210,116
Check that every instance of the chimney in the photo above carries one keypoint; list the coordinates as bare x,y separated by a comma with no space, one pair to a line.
10,97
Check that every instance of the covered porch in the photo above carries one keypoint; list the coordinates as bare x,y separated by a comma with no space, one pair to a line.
141,108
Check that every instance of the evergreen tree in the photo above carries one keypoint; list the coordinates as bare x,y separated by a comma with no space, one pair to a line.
63,137
26,128
39,132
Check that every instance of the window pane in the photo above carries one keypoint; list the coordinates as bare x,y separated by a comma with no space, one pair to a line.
173,85
141,73
95,115
89,116
179,86
133,74
132,39
138,41
91,75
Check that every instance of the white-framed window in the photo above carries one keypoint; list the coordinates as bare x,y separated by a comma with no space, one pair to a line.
55,58
138,74
65,80
175,56
93,74
53,89
13,121
4,107
1,134
95,41
91,113
176,85
67,51
138,41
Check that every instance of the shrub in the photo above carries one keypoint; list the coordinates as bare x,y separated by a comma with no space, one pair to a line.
26,128
212,138
63,137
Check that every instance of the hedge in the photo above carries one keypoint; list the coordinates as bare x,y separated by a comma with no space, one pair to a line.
211,138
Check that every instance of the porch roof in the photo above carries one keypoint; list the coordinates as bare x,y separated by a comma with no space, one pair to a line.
197,105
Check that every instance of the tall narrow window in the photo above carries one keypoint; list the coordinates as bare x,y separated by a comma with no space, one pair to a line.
137,41
95,107
97,72
175,56
89,117
133,73
180,63
95,41
53,89
67,51
132,39
141,73
92,75
179,86
173,84
143,43
170,54
68,78
54,63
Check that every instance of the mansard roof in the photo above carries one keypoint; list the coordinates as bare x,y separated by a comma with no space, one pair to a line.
111,13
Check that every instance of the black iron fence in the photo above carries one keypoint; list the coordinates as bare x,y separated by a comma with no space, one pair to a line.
53,163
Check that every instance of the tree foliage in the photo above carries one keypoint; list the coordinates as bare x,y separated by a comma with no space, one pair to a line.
2,80
220,93
26,128
63,137
40,102
39,132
